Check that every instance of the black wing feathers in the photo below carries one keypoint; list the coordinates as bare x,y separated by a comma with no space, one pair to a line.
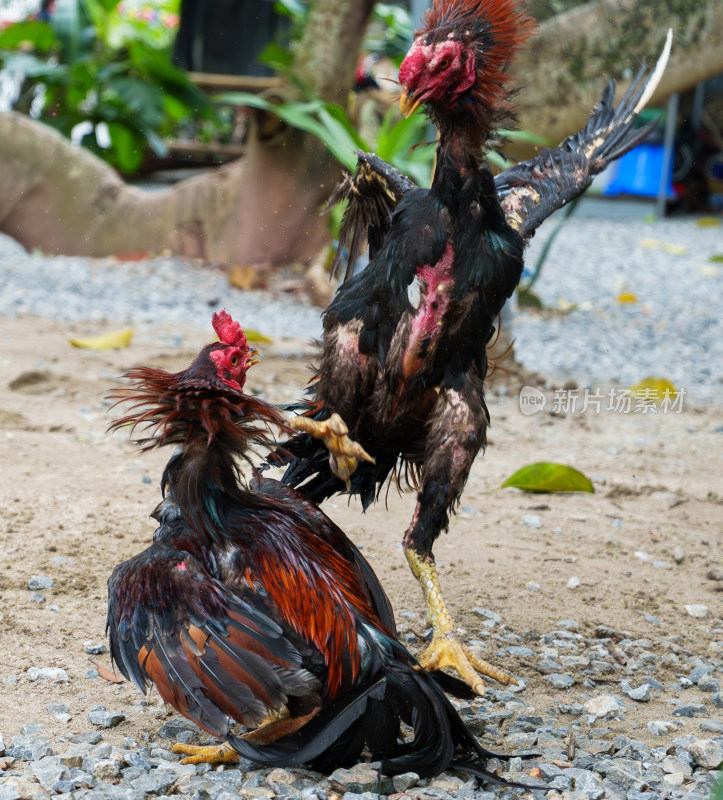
532,190
372,193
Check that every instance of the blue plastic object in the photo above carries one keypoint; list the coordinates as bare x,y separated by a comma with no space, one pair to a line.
638,173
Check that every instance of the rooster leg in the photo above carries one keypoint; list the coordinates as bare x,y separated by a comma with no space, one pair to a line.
225,754
344,453
455,438
446,649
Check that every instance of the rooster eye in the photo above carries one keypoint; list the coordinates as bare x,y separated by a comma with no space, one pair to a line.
444,63
234,360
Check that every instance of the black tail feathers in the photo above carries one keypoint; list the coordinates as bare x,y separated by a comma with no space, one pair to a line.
370,715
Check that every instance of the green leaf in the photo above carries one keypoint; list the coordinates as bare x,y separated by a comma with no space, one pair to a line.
39,34
527,298
140,97
67,24
397,134
546,476
33,67
718,788
530,137
716,259
128,147
276,56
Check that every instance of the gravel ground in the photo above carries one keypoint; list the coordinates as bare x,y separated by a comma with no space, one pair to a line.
157,291
576,756
675,330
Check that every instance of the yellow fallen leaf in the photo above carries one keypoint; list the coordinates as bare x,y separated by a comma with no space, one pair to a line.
107,341
711,272
256,336
708,222
565,305
656,244
627,297
651,388
675,249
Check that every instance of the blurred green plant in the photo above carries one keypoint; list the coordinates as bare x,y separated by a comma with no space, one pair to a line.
93,64
717,793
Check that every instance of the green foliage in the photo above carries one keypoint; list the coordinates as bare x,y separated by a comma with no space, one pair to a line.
73,74
717,793
546,476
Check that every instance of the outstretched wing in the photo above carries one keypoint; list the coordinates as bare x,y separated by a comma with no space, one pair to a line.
530,191
214,656
372,191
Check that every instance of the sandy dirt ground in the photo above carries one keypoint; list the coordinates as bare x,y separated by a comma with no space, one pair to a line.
74,502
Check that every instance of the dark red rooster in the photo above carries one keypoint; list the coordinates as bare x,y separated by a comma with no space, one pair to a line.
404,347
250,602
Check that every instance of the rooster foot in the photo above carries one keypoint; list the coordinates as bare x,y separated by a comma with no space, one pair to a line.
344,453
446,649
211,754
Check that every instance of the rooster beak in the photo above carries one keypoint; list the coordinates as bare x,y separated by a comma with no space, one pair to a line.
253,358
408,104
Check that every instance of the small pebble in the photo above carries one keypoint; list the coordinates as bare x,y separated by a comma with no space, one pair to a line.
105,719
94,648
531,521
696,610
604,705
38,582
641,693
54,674
573,583
560,680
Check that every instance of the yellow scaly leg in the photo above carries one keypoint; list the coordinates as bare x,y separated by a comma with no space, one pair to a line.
211,754
446,649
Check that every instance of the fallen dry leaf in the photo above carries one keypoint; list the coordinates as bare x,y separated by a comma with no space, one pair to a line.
656,244
108,341
107,674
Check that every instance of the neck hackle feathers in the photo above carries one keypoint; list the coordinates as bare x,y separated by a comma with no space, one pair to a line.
489,31
200,405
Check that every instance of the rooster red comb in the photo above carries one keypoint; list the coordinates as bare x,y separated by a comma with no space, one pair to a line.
227,330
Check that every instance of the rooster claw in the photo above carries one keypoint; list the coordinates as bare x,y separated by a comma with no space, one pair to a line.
211,754
344,453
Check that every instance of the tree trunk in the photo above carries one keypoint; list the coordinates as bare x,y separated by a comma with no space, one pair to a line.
564,71
262,208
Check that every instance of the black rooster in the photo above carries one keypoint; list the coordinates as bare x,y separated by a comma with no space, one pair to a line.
250,602
404,347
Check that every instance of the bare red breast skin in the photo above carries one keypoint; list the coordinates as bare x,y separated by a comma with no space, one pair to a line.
427,322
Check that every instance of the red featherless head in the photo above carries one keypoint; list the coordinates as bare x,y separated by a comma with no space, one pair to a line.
233,360
459,58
